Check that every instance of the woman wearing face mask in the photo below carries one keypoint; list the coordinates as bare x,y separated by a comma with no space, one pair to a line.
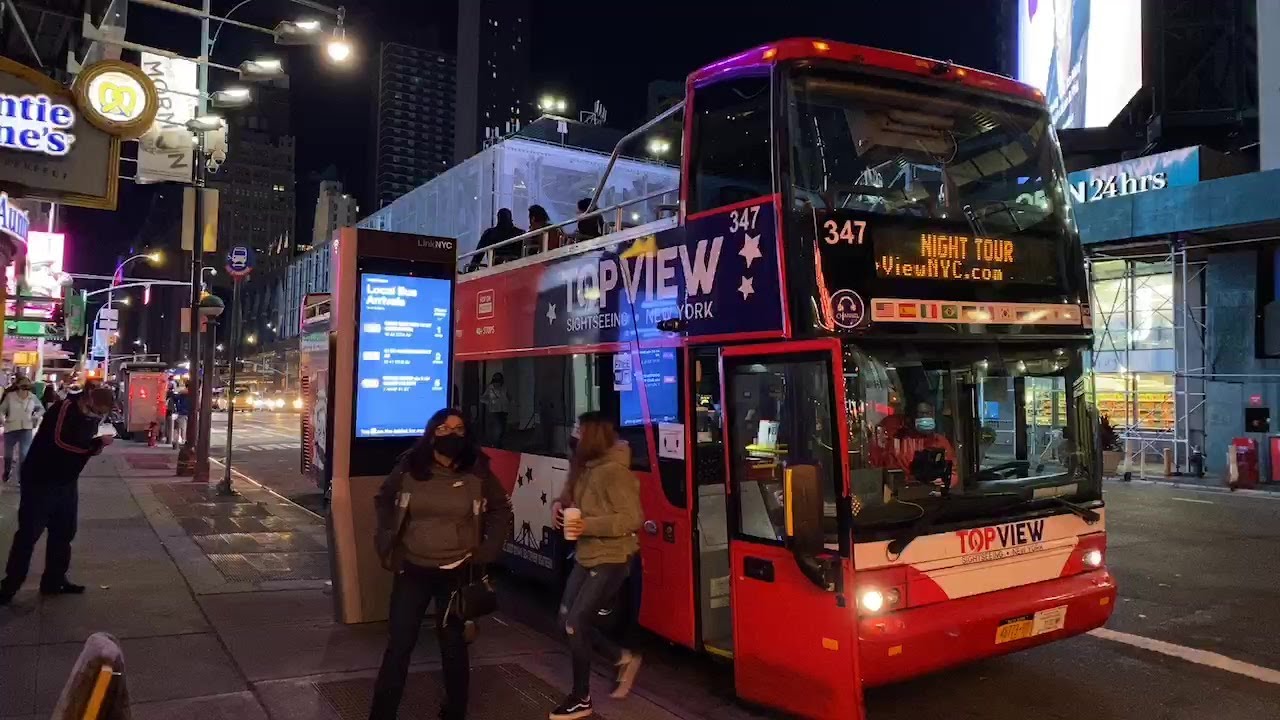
457,514
20,411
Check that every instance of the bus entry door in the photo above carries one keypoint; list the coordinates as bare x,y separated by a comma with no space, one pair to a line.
794,623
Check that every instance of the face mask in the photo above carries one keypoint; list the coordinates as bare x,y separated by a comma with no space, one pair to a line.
926,424
450,446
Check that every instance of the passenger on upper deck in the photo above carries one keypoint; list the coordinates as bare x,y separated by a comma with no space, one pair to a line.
504,230
591,227
538,219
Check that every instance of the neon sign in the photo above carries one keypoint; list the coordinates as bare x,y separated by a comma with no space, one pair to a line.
35,123
13,221
954,257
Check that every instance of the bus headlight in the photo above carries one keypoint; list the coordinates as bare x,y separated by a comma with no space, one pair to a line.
875,600
1092,558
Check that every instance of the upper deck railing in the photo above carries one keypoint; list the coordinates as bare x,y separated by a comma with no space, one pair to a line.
537,241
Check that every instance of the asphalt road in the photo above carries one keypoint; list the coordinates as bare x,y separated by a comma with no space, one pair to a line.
1195,634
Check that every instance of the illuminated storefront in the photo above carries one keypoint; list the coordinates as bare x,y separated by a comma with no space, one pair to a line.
1185,305
58,145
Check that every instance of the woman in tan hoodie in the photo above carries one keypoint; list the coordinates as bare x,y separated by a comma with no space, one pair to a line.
604,489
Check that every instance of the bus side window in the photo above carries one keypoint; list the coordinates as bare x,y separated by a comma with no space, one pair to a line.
731,159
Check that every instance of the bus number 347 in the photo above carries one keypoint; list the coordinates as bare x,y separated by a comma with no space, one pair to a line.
850,232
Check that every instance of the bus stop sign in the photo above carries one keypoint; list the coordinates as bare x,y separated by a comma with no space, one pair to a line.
239,261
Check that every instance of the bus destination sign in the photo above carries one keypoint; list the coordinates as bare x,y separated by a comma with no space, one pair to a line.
926,255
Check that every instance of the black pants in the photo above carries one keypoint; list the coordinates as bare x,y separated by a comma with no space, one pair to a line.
414,590
43,506
589,590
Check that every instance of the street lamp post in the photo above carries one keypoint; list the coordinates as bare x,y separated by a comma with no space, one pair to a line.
151,257
309,32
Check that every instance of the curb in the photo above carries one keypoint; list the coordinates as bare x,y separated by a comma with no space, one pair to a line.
1222,490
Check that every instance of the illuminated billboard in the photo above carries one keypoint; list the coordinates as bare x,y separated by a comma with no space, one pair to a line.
1085,55
43,275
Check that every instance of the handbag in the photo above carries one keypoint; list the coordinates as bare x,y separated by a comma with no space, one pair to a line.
477,597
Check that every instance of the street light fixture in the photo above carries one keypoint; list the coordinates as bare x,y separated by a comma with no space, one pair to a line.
263,70
551,103
339,47
205,124
233,97
297,32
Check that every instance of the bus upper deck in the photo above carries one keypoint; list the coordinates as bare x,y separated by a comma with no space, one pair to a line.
852,361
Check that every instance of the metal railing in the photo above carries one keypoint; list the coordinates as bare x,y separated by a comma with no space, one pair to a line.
544,233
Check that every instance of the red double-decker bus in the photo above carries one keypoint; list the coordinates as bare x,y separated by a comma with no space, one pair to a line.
849,347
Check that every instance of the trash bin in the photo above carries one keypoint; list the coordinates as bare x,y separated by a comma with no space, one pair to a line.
1274,443
1246,457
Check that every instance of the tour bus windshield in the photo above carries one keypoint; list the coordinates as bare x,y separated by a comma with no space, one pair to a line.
928,425
907,148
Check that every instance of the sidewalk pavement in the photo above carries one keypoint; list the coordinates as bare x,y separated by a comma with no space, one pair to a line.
224,610
1214,483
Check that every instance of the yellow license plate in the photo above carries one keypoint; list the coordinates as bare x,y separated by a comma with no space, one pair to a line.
1015,629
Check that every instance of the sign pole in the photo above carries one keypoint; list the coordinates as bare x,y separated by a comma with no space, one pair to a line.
239,265
224,487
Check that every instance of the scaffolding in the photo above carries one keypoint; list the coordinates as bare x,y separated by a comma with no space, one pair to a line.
1149,319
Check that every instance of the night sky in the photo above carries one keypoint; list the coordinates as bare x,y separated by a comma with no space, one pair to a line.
585,51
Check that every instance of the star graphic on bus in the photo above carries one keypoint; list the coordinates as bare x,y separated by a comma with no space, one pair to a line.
551,312
750,249
745,287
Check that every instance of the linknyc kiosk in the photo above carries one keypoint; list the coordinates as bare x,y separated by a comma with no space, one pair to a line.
391,342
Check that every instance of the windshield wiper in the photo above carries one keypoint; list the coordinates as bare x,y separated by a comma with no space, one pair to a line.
954,507
1088,515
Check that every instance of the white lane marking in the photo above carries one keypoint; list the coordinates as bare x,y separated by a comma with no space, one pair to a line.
1199,657
1193,500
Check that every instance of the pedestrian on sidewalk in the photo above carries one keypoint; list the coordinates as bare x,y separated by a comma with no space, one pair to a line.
607,496
50,490
178,416
439,511
20,412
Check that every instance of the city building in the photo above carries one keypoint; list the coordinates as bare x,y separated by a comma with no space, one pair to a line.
255,184
334,209
493,72
414,123
1172,152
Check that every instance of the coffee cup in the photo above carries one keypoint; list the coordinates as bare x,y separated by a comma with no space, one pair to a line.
572,513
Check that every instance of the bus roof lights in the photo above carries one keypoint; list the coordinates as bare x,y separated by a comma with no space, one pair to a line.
810,48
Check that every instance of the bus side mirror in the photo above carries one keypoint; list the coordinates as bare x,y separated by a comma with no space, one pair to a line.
803,500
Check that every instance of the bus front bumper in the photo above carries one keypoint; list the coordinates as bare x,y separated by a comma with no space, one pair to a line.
912,642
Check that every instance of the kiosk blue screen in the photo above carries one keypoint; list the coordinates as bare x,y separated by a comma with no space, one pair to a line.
403,358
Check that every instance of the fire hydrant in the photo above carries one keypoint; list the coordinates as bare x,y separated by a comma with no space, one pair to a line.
153,434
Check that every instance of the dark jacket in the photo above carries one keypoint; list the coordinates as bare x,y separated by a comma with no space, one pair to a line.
449,528
67,438
182,403
493,236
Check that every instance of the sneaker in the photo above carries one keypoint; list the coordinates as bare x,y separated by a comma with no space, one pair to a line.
628,667
65,587
571,709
